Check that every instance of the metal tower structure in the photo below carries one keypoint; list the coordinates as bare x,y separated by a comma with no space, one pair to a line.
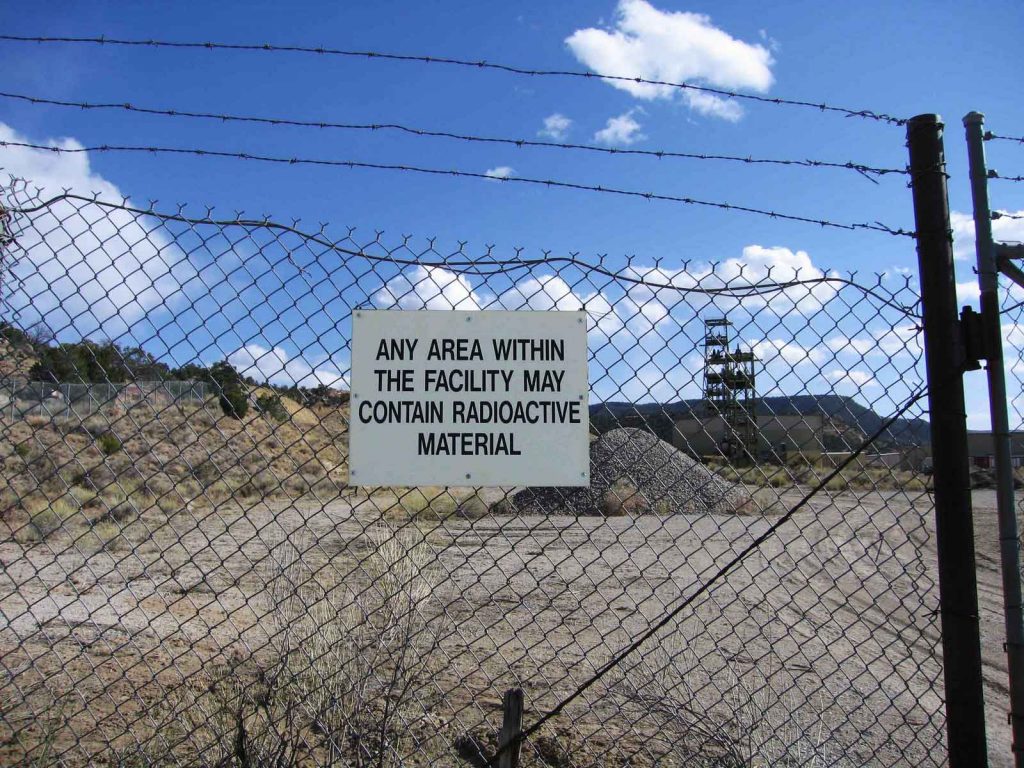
729,389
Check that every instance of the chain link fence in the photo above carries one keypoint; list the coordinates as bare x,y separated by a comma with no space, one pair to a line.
21,398
189,579
982,446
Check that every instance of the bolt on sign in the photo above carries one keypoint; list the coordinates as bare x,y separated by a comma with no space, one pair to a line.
482,398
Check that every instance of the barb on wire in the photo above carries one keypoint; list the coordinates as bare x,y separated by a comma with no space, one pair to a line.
480,65
865,170
721,573
876,227
995,215
989,136
993,174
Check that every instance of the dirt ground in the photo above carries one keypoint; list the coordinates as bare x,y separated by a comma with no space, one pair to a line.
820,648
993,635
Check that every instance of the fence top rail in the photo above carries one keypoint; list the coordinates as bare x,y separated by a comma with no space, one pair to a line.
727,279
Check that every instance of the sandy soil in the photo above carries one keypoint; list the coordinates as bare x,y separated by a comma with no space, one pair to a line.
821,646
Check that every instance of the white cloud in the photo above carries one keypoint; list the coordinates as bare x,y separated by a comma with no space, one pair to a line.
541,293
901,339
857,378
77,267
968,292
439,288
547,292
501,172
1003,230
620,131
657,381
963,234
770,41
1013,335
556,127
776,350
758,268
428,288
275,365
777,264
646,306
674,47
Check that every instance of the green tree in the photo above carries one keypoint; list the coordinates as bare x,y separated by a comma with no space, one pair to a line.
232,393
271,405
95,362
14,336
190,372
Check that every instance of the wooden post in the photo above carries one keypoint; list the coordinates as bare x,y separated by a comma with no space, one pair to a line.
511,726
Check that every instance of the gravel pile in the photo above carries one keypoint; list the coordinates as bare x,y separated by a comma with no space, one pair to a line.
631,472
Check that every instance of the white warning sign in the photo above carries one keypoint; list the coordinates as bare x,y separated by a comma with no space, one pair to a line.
476,398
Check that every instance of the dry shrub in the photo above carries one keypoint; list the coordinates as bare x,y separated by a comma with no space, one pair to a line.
45,517
346,660
710,711
766,501
623,499
328,489
472,507
109,443
297,485
206,472
105,534
799,470
266,483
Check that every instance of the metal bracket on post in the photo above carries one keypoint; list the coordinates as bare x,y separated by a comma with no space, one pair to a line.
1005,254
1009,250
972,327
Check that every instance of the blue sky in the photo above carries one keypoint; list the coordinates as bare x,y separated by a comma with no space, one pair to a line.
899,58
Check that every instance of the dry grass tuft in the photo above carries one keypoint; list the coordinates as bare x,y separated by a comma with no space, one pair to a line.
725,713
801,472
346,660
622,499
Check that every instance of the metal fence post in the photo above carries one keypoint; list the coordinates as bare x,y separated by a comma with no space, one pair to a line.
1009,539
944,359
511,726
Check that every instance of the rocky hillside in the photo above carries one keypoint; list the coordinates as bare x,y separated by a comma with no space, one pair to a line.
841,409
172,457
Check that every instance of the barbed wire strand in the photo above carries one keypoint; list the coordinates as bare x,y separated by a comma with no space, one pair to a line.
489,265
721,573
861,168
196,152
996,215
480,65
997,175
989,136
